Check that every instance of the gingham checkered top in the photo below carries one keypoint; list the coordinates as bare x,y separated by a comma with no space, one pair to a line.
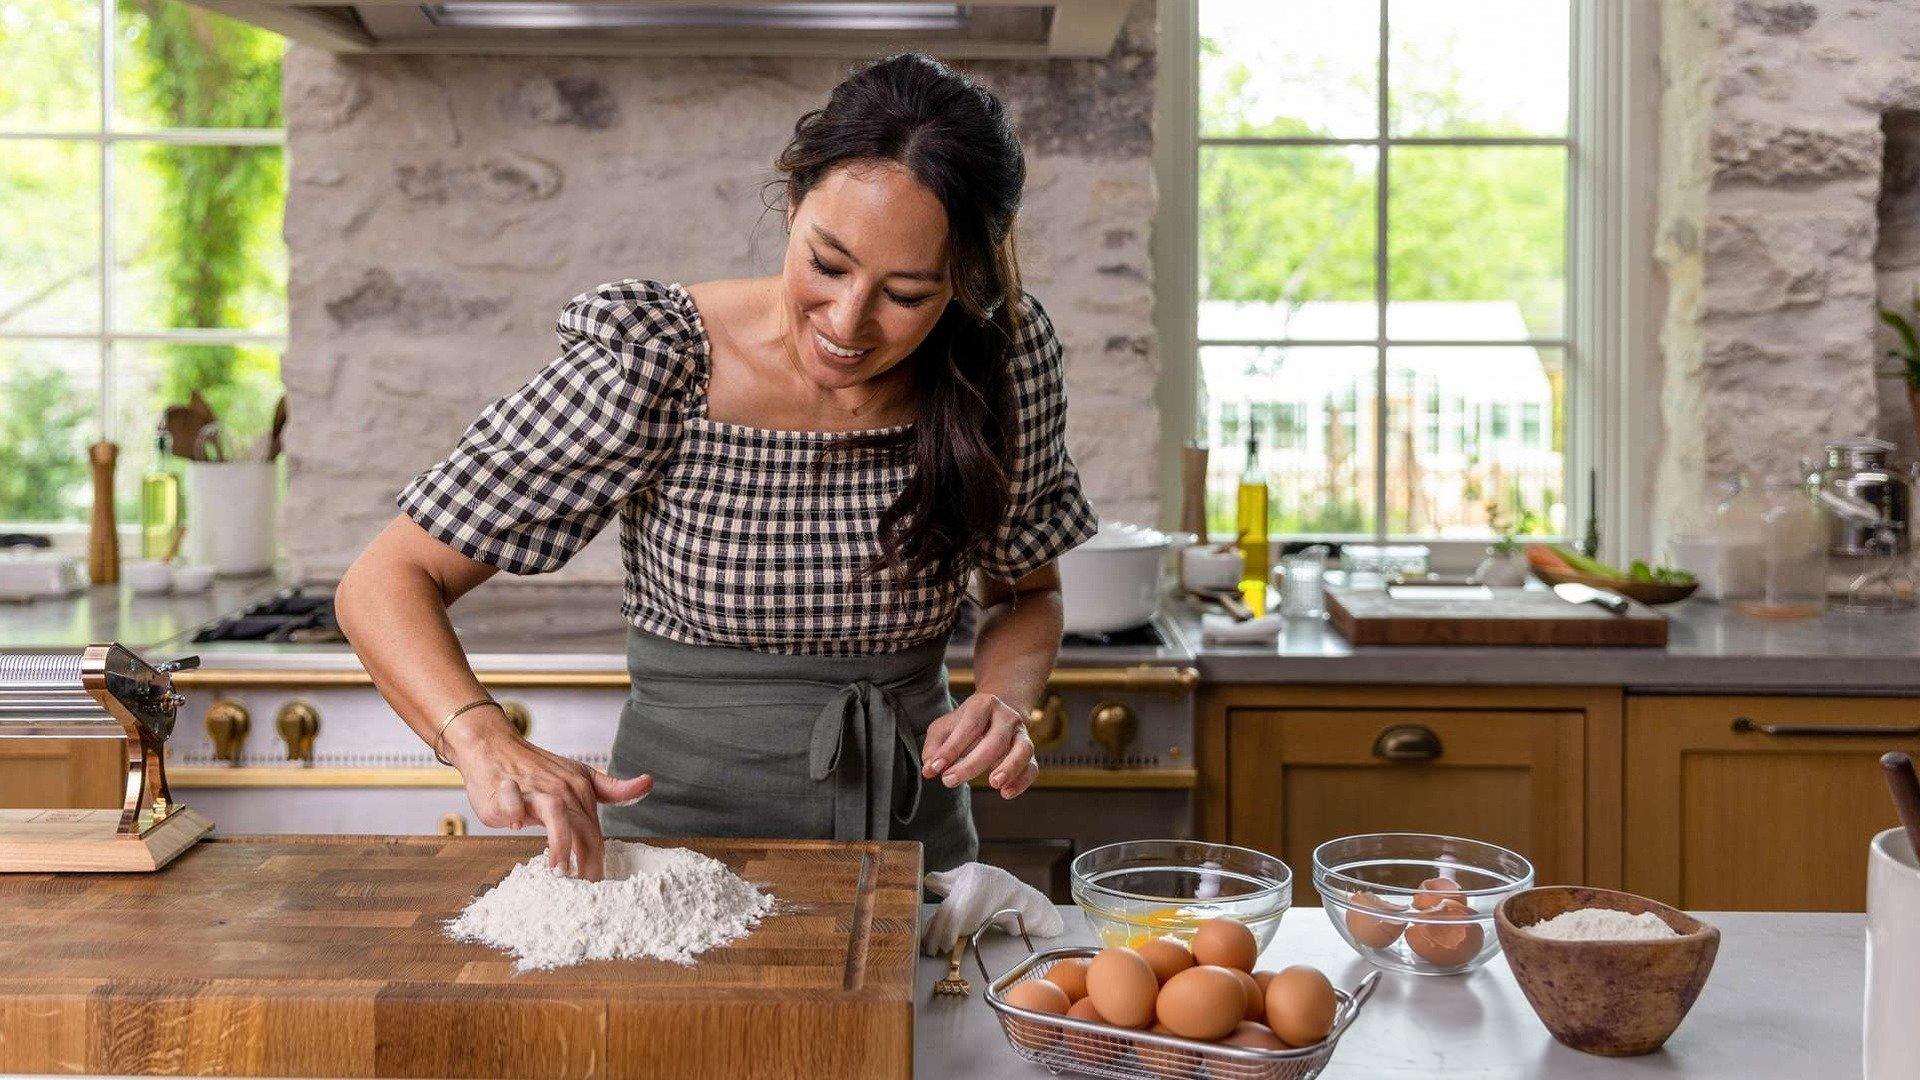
729,534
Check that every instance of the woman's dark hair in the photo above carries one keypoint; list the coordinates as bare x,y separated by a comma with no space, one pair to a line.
954,137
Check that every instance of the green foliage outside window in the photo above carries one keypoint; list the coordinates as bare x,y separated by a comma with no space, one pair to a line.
195,244
1290,225
197,70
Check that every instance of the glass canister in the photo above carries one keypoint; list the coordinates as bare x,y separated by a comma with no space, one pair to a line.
1722,547
1793,552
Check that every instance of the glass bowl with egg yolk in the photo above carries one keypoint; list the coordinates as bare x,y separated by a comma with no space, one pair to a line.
1138,890
1383,895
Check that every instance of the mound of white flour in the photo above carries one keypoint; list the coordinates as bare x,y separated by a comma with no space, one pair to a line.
664,903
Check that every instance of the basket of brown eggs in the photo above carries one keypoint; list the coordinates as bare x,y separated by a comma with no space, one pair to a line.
1166,1011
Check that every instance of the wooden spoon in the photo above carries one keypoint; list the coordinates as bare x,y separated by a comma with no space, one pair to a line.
181,429
279,427
1906,792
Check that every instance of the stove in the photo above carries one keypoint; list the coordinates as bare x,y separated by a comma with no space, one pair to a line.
290,617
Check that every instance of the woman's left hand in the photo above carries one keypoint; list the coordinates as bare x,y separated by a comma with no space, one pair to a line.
983,735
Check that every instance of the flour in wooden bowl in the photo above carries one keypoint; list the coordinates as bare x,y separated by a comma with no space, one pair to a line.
654,902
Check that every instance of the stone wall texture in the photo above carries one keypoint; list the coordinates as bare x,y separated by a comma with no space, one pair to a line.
441,210
1775,175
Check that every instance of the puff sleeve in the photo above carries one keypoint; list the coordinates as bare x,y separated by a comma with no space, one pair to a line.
1049,514
545,468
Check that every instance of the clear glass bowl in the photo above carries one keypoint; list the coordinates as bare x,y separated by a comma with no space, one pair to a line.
1136,891
1368,885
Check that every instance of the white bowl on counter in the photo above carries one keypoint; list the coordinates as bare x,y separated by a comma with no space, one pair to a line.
1112,582
191,579
147,577
1206,568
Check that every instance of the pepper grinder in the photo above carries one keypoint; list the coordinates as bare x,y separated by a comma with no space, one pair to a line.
103,536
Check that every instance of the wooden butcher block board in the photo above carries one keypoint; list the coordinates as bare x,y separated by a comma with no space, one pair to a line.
324,956
1509,617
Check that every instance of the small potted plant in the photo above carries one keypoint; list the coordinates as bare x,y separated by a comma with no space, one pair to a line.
1506,561
1908,354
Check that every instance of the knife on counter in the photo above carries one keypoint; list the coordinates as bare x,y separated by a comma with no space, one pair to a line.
1575,593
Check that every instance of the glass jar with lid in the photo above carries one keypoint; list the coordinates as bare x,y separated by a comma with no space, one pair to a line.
1793,552
1720,544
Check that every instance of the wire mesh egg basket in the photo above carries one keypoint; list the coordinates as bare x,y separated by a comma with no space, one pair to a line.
1065,1044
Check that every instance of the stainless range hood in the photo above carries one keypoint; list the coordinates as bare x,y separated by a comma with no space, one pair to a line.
969,29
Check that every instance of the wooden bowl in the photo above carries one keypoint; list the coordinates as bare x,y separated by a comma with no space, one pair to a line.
1647,592
1613,998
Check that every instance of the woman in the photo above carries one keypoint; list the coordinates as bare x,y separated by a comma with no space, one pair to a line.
806,469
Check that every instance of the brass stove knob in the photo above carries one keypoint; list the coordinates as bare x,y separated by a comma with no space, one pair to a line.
519,716
1114,727
227,726
1047,722
298,722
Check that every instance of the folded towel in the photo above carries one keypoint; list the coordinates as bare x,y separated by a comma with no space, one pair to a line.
974,891
1222,630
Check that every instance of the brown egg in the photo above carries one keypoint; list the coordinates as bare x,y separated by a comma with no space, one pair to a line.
1301,1005
1070,975
1256,997
1226,943
1167,956
1369,931
1447,944
1038,995
1434,890
1203,1002
1261,979
1254,1036
1093,1049
1122,986
1172,1063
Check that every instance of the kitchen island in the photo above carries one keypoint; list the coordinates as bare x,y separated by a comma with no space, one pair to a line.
322,957
1784,1002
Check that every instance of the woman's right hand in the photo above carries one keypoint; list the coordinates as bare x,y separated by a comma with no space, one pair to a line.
513,783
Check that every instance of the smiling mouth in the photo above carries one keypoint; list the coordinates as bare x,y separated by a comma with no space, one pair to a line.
831,349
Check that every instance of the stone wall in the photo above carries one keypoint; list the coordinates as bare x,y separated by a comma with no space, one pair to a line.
1772,162
441,209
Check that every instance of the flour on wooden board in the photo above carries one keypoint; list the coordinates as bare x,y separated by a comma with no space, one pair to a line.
658,903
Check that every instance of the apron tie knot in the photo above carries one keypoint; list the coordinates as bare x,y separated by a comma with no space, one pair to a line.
862,743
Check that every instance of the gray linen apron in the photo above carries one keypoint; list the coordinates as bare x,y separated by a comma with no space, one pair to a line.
747,743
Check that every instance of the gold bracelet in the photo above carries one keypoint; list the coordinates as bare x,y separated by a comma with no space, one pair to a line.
439,737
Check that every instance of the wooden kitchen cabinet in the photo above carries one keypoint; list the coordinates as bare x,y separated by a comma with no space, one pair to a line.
1759,803
1291,767
59,773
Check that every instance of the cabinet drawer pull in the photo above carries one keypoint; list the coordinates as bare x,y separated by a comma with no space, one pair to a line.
1743,725
1407,742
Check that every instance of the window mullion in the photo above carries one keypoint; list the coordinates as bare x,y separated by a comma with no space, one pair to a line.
109,30
1380,290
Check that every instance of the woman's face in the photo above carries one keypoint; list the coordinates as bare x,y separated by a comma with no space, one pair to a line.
865,278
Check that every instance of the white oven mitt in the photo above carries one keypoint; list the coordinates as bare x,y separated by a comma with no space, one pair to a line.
974,891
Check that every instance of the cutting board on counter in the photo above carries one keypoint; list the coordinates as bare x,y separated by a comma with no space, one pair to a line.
1505,617
324,956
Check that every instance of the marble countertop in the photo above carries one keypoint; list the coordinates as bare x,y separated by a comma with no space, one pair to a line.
541,627
1784,1000
1710,647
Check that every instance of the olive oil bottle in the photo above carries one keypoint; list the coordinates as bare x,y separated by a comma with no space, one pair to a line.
1250,523
159,502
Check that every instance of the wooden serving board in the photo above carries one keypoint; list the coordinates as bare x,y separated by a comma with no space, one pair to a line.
1512,616
324,956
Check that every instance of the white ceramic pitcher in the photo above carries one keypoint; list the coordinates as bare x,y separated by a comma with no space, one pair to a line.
1892,1023
230,515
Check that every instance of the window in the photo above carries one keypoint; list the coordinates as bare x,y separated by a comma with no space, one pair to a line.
1382,225
142,137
